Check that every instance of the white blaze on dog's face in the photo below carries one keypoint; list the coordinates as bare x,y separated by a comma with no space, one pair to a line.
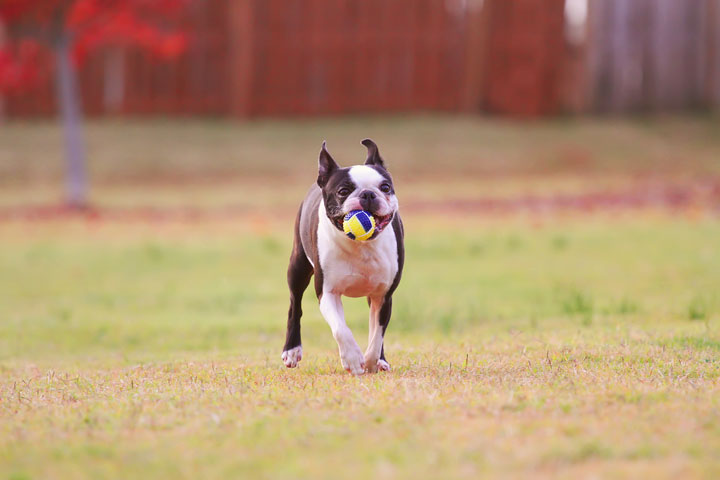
366,187
373,192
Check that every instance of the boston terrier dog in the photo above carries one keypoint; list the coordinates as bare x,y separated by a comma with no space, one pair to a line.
342,266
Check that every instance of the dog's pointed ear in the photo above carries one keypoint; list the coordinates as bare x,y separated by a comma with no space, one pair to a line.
326,167
373,157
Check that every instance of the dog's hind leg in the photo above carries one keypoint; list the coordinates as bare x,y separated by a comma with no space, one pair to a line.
298,276
380,310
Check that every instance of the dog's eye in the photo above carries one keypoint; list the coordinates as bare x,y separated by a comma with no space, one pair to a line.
385,188
344,192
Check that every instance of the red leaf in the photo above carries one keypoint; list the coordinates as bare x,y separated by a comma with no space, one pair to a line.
151,25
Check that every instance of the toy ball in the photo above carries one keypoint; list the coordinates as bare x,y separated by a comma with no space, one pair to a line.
359,225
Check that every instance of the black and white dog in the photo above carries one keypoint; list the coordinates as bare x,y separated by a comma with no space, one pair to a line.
342,266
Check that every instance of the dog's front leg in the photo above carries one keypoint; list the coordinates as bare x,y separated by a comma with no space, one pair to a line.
350,354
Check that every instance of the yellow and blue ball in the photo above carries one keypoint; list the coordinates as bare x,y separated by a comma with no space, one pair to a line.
359,225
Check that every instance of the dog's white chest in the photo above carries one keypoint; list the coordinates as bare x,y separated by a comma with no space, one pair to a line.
353,268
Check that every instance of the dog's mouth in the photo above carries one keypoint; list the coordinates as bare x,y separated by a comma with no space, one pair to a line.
381,221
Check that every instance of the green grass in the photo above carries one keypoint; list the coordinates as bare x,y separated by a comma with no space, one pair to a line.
568,344
145,351
96,291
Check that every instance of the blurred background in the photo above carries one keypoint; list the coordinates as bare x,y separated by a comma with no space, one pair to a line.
241,63
145,117
558,169
302,57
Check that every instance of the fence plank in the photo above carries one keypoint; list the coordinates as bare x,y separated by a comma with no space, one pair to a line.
711,88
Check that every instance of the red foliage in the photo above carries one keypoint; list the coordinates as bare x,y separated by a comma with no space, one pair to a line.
90,24
18,70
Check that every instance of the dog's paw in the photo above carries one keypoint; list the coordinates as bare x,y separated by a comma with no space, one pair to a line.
383,366
291,357
373,364
352,360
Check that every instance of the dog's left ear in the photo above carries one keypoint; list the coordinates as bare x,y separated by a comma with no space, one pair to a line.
373,157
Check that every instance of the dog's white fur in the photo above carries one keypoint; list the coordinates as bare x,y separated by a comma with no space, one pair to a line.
375,337
292,357
365,177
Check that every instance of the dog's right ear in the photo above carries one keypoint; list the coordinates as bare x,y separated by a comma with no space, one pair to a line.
326,167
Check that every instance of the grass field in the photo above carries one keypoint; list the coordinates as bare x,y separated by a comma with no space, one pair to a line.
577,339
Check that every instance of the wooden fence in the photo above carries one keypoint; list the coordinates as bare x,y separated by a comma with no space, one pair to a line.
525,59
646,55
312,57
307,57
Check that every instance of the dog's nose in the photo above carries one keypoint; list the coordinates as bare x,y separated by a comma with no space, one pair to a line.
367,195
366,199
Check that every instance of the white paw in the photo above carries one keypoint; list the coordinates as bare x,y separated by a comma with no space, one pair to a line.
291,357
371,362
352,360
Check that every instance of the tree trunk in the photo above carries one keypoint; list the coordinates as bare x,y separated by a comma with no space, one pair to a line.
71,116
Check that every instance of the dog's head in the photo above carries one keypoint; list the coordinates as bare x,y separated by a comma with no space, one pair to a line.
366,187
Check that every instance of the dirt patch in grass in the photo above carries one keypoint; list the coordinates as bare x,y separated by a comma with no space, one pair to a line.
664,195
